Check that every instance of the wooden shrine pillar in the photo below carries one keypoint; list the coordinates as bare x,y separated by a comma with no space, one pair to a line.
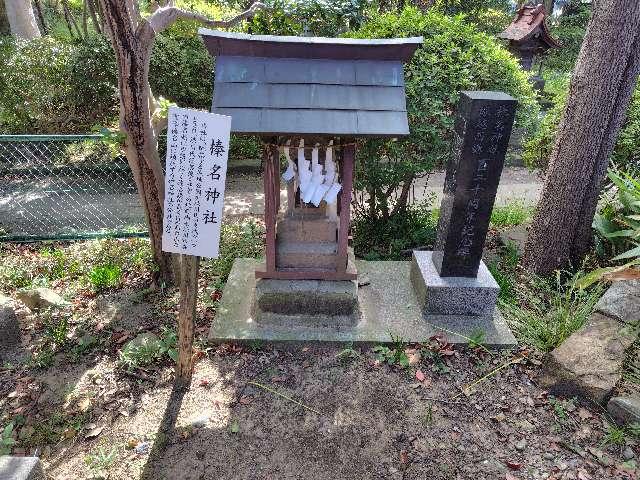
270,157
348,154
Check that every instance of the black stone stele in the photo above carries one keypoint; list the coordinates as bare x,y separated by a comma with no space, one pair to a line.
482,129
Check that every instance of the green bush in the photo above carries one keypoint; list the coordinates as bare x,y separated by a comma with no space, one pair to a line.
181,69
387,240
626,153
569,30
454,57
48,86
322,17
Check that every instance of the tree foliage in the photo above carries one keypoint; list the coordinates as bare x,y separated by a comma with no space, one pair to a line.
49,86
453,57
626,153
324,18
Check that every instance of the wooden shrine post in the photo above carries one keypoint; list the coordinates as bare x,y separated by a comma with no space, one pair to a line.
271,200
348,155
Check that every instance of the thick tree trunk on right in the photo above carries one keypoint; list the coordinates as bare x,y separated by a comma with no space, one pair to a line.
21,19
601,87
5,28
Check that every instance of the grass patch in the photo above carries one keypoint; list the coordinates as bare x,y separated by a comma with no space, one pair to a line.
77,264
546,311
511,214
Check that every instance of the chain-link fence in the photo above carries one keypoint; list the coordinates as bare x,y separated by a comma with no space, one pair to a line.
65,187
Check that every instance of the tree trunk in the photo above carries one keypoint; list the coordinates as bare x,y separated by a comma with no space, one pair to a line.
21,19
5,28
132,39
133,50
601,87
186,318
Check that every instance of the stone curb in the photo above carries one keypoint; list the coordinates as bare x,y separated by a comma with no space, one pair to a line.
589,363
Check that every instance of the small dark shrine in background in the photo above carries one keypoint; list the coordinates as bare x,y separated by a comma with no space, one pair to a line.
312,96
528,35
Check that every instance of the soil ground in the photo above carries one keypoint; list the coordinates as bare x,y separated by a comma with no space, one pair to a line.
312,412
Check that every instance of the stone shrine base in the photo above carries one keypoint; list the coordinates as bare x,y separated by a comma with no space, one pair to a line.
387,305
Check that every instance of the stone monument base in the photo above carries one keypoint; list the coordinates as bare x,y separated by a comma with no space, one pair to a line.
452,295
386,305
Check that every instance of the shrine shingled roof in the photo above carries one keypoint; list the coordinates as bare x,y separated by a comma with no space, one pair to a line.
529,23
272,85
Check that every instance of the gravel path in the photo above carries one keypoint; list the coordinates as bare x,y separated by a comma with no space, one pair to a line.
61,204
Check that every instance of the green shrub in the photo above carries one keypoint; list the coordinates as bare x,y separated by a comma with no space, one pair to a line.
105,276
181,69
626,153
617,228
322,18
387,239
454,57
48,86
569,30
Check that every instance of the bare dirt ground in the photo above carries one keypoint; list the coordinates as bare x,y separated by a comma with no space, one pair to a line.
306,412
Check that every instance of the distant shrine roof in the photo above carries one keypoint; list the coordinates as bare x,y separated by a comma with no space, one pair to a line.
528,22
273,85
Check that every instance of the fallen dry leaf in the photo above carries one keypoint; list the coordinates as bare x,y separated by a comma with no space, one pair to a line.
420,376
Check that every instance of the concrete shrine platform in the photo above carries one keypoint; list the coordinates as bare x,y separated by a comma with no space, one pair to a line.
388,305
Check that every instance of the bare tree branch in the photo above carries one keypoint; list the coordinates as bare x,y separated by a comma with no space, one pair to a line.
164,17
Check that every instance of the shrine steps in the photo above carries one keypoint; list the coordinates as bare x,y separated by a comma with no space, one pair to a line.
315,230
308,255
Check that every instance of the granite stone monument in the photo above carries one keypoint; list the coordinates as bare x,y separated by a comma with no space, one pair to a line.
453,280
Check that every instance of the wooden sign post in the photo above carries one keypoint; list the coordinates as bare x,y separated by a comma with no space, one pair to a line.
196,170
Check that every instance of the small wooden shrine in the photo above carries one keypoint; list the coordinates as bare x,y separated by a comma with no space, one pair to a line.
309,99
528,35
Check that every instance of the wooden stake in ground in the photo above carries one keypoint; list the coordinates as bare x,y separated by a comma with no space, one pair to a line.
601,87
189,266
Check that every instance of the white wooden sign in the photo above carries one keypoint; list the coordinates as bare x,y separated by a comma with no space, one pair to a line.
196,171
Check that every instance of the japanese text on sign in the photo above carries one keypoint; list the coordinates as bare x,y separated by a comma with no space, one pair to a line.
197,153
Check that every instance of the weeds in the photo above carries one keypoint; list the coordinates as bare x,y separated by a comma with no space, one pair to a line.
614,435
393,356
477,339
237,240
78,263
56,328
427,419
6,439
510,215
101,461
148,348
348,353
547,312
105,276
